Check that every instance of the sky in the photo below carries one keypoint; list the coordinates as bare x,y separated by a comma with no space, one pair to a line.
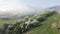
41,3
26,5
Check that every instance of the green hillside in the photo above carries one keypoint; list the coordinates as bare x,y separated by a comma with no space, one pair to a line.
46,27
49,24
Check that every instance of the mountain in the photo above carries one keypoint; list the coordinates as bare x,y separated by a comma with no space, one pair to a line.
55,8
18,14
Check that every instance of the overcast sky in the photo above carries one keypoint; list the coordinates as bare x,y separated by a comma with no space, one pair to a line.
26,5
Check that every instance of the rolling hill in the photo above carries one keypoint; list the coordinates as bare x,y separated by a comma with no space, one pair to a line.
46,28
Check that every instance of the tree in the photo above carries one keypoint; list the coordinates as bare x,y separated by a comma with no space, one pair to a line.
18,30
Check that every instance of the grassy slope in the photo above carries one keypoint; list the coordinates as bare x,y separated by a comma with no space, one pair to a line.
6,21
9,21
46,27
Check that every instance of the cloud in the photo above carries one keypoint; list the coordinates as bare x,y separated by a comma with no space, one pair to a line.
12,5
15,7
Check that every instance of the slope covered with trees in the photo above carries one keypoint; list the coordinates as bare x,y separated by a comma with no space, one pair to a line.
40,24
48,27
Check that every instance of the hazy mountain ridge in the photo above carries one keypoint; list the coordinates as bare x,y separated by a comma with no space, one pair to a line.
55,8
17,14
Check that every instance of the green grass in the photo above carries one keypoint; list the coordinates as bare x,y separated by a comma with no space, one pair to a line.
11,21
46,27
6,21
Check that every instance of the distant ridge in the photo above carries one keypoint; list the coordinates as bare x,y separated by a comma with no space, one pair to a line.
55,8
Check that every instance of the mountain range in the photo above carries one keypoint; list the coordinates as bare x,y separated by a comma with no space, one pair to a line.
17,14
